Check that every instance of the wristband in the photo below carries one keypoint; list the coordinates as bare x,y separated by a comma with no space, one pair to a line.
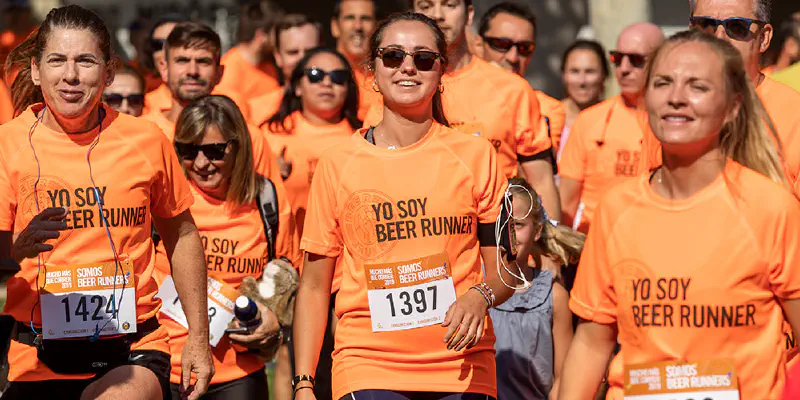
485,296
300,378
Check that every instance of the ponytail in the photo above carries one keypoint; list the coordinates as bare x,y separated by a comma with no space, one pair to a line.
438,109
23,92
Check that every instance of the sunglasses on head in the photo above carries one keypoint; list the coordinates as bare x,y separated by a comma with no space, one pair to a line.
338,76
524,48
424,60
115,100
212,151
636,60
735,28
157,44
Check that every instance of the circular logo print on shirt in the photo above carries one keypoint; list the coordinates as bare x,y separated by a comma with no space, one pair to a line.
633,288
49,192
361,214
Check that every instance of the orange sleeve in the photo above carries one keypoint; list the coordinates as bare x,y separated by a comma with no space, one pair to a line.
6,106
492,183
592,297
170,192
784,274
8,197
557,118
321,233
531,140
572,164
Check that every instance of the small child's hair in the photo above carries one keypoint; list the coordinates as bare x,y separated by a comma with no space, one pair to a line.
556,240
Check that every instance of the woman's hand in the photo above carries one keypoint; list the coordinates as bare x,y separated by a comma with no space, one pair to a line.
465,320
263,334
44,226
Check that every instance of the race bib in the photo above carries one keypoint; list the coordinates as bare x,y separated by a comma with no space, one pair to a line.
79,300
409,294
221,300
690,380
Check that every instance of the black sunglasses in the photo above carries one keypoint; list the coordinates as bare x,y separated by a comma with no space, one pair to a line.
338,76
157,44
424,60
524,48
115,100
212,151
637,60
735,28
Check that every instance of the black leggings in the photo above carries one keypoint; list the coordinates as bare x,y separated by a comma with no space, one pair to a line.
251,387
392,395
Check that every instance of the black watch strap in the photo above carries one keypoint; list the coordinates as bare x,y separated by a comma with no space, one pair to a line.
300,378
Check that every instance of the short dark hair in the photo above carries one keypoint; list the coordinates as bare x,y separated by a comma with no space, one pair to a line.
290,21
507,8
589,45
194,35
148,47
257,15
337,7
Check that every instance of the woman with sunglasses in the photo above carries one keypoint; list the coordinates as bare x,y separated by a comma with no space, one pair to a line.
213,143
80,186
126,93
410,206
688,265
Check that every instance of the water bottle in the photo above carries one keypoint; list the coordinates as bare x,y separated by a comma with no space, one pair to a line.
247,313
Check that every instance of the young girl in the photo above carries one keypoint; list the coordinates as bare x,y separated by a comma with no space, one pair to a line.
534,327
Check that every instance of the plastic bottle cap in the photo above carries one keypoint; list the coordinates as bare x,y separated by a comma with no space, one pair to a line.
242,302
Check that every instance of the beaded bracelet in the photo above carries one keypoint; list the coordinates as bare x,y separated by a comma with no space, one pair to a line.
489,292
485,296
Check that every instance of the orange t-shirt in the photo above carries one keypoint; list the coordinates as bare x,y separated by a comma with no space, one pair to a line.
235,247
137,174
367,96
6,106
161,99
244,78
287,241
604,148
263,107
485,100
552,118
696,278
445,178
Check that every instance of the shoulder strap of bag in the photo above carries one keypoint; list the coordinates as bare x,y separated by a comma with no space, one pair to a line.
268,208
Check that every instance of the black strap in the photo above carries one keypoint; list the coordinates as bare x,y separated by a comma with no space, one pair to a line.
268,208
26,336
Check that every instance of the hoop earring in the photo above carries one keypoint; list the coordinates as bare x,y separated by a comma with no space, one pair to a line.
375,87
441,88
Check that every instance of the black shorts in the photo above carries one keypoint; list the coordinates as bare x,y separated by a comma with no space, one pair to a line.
393,395
68,389
251,387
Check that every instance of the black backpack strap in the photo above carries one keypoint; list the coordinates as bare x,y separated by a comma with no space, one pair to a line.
268,208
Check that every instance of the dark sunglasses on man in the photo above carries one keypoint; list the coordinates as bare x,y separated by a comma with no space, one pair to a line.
157,44
338,76
212,151
524,48
115,100
424,60
636,60
735,28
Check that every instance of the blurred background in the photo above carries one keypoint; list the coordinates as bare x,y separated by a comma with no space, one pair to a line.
559,22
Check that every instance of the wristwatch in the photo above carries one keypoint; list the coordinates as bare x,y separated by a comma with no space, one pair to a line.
300,378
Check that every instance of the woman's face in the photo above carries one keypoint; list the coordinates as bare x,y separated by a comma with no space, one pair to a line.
72,72
324,97
583,77
686,96
211,172
406,85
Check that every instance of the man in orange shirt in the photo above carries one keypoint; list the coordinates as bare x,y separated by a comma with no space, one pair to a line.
244,63
605,141
352,25
295,35
508,33
483,100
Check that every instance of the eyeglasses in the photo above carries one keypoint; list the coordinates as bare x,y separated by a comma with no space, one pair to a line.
115,100
157,44
424,60
637,60
735,28
338,76
212,151
524,48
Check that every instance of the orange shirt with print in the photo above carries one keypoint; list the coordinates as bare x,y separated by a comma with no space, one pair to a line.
6,106
696,278
446,175
552,118
242,77
287,241
263,107
136,173
235,247
604,148
161,99
485,100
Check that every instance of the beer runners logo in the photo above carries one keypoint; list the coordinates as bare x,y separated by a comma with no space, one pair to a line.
358,222
46,186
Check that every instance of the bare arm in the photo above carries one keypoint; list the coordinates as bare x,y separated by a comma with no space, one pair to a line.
570,199
313,298
587,360
539,173
562,334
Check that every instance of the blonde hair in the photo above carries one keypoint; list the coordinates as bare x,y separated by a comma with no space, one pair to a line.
555,240
222,113
749,139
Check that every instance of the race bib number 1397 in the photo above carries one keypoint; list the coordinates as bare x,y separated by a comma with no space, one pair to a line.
409,294
713,379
